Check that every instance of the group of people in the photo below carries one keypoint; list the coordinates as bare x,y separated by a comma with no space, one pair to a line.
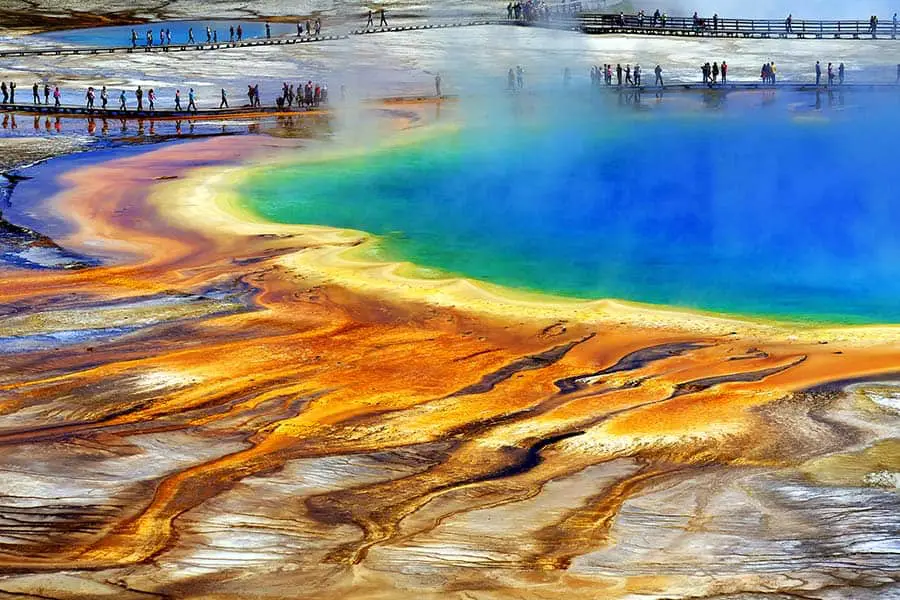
371,22
712,73
626,76
9,93
530,10
235,34
830,73
312,28
768,73
310,95
515,79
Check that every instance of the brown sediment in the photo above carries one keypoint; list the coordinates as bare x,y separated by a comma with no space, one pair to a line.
327,365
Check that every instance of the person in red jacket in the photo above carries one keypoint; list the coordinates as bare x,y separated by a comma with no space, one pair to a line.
724,71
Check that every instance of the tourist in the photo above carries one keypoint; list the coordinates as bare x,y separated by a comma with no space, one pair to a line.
788,24
56,97
177,99
772,72
894,30
231,33
724,71
715,22
46,93
383,22
318,26
250,94
133,39
104,97
873,24
192,101
215,36
89,98
637,75
830,75
659,78
299,29
317,95
240,32
149,39
5,91
511,78
208,34
619,74
369,23
308,94
35,95
520,77
268,31
162,37
715,72
168,37
628,80
841,74
191,39
122,101
705,72
437,84
139,94
151,99
818,73
256,95
509,11
224,102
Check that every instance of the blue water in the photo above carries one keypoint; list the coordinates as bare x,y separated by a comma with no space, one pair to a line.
754,212
121,35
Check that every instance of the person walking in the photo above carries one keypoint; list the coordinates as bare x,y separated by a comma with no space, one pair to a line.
133,39
122,101
818,73
56,97
46,94
268,31
151,99
139,94
240,32
192,104
208,34
894,29
215,36
511,78
35,94
318,26
224,102
788,24
168,37
89,98
256,96
715,73
12,92
637,75
437,85
830,72
149,39
724,71
178,100
772,72
369,23
104,97
231,33
5,91
384,22
191,39
619,74
520,77
659,78
841,74
299,29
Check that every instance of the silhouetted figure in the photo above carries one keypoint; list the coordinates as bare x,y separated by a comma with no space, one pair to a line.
818,73
56,97
46,93
35,94
240,32
789,24
104,98
383,22
122,101
268,31
437,85
724,71
139,95
12,92
369,23
224,102
177,99
192,104
659,78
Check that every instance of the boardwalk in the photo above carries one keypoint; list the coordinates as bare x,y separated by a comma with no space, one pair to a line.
247,43
601,23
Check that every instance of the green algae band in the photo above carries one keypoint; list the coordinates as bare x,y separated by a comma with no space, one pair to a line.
749,212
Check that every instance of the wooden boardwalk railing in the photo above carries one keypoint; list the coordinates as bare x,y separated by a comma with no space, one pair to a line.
604,23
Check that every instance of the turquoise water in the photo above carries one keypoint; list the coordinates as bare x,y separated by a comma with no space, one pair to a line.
753,211
120,35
